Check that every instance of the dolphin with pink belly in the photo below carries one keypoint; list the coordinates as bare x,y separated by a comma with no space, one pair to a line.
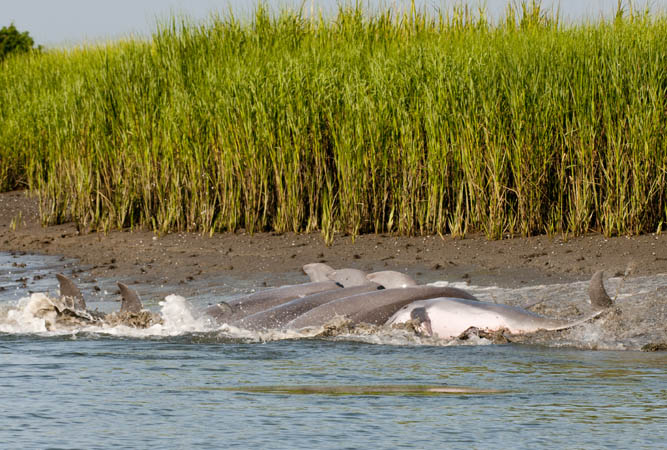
238,308
448,318
377,306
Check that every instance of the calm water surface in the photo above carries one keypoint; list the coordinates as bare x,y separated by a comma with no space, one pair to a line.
86,389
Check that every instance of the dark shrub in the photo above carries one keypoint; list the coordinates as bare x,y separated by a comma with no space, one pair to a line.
13,41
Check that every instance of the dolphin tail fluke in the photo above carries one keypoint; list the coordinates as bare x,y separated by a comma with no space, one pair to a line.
597,293
131,302
317,271
70,290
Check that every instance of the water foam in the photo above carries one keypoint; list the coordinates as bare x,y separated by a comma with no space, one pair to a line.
31,315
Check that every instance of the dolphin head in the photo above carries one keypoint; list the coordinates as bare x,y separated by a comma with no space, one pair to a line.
348,277
390,279
317,271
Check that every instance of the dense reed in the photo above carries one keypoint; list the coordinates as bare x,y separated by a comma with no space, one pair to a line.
385,122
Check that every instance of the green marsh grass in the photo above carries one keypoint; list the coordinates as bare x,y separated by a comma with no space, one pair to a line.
407,123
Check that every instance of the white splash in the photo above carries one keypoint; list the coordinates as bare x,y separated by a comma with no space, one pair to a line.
178,318
31,315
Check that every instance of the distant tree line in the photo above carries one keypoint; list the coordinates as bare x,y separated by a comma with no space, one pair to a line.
14,41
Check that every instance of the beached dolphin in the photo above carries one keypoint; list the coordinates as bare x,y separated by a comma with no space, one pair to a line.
373,307
278,316
236,309
317,271
448,318
391,279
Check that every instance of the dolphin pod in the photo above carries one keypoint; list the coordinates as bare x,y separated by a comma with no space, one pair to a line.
378,298
373,307
323,279
449,318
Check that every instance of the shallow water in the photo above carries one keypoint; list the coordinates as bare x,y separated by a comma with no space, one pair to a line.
186,384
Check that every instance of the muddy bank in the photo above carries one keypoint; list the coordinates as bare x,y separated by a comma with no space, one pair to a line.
181,258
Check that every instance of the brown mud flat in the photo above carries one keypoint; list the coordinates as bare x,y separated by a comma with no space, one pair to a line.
180,258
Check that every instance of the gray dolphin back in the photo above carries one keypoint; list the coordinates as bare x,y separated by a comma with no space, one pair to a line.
263,300
220,312
277,317
373,307
391,279
349,277
597,293
131,302
70,290
317,271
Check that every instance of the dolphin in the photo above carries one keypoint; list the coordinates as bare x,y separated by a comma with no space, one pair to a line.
278,316
391,279
71,307
69,290
373,307
130,303
317,271
448,318
247,305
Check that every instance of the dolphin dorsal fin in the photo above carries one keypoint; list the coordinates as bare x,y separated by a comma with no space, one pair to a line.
348,277
317,271
390,279
70,290
131,302
225,308
597,293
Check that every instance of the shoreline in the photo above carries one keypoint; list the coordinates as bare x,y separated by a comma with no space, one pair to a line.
141,257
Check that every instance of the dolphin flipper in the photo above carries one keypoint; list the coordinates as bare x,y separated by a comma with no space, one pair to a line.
420,315
317,271
70,290
597,293
131,302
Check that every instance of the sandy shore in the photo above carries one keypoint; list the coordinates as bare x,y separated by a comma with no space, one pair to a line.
180,258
